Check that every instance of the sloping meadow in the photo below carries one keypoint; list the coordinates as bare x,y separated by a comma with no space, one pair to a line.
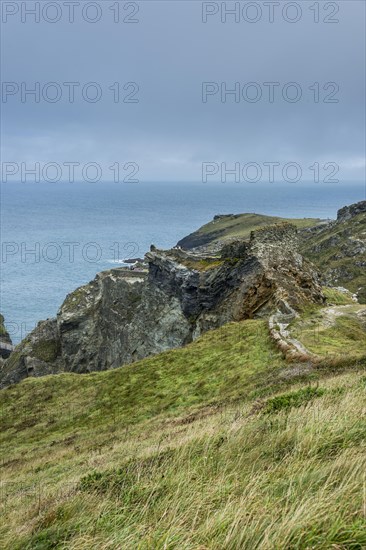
220,444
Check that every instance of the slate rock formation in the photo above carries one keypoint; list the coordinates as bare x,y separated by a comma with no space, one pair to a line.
125,315
338,249
6,346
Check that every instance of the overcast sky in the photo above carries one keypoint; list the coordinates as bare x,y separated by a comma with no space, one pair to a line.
169,53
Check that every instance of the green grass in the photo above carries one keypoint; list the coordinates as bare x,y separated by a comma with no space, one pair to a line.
240,226
292,399
333,332
212,369
337,297
46,350
220,444
202,264
331,251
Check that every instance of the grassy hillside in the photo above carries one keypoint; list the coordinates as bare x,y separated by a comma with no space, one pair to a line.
227,227
339,251
220,444
334,331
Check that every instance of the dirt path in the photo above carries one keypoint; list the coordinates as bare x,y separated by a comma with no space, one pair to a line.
294,349
331,313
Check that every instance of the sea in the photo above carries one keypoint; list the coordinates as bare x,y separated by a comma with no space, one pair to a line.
56,237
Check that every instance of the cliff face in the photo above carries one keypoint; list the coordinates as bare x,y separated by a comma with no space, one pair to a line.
348,212
338,249
6,346
124,315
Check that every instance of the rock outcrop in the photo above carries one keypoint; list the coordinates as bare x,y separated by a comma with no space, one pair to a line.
125,315
338,249
348,212
6,346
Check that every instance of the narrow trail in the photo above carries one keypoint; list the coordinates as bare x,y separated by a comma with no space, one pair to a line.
293,349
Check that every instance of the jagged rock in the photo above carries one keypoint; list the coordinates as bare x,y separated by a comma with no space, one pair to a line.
6,346
94,321
338,249
348,212
37,355
123,316
235,249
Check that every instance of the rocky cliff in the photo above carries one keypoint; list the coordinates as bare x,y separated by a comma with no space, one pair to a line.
125,315
349,212
338,249
6,346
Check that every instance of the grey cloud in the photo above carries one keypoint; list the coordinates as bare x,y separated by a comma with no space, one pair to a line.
169,53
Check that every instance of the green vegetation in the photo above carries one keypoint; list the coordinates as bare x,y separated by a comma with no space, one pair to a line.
333,331
222,364
337,297
288,400
238,226
46,350
220,444
202,264
339,253
242,224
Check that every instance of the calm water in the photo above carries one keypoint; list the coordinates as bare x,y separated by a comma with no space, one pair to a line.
57,237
